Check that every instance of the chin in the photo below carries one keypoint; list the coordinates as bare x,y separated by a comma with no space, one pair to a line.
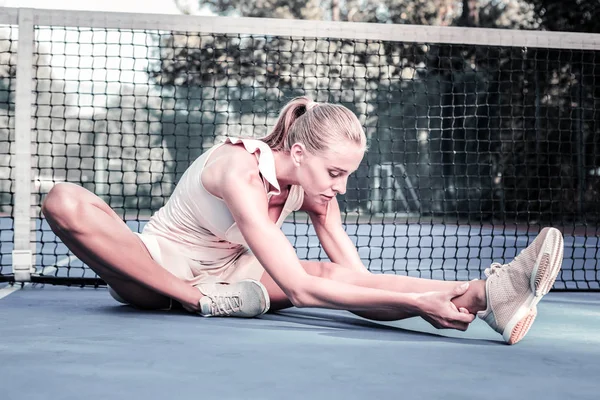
324,199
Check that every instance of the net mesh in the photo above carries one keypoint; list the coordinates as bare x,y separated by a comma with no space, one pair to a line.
472,149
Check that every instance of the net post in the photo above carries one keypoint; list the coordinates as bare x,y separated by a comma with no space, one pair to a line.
22,259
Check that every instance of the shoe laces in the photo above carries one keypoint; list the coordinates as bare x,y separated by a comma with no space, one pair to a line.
494,269
225,305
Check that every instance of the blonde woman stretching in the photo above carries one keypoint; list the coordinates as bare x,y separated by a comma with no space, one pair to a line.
217,249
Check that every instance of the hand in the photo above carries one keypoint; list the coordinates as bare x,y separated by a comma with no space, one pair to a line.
437,309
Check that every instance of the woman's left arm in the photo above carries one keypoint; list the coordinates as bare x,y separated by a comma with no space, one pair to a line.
327,222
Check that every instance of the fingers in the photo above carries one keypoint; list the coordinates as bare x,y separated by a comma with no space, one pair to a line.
462,327
460,310
463,322
466,318
459,290
460,321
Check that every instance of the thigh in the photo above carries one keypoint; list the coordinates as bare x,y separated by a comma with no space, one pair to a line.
130,291
65,195
57,206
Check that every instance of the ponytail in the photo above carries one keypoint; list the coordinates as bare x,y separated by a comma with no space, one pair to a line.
316,125
290,113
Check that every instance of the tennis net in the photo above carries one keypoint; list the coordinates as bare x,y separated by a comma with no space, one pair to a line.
478,138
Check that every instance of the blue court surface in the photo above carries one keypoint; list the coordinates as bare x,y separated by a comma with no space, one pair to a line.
74,343
78,343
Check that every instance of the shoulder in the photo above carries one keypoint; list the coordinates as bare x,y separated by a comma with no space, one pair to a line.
230,159
231,167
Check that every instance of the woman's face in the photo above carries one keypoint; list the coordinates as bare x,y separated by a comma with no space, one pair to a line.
325,174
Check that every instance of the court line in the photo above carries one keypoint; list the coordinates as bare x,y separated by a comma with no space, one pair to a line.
8,290
45,271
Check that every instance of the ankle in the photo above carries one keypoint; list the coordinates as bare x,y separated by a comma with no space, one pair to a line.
193,302
480,296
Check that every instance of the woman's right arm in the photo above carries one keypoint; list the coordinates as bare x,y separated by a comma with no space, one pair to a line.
243,191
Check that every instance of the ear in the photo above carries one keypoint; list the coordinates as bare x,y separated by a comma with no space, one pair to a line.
298,153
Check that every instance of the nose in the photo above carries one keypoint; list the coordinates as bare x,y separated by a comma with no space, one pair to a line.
340,186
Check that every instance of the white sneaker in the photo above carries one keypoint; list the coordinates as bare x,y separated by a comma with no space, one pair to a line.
244,299
513,290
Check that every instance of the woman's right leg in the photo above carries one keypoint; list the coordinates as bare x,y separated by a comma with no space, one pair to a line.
100,239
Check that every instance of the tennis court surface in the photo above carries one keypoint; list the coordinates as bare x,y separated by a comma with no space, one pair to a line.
73,343
72,340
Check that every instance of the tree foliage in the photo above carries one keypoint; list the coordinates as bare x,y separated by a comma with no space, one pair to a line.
509,131
572,16
485,131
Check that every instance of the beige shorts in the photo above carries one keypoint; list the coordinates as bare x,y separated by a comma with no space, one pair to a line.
174,259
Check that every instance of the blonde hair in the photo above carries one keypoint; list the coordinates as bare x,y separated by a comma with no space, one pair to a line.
316,125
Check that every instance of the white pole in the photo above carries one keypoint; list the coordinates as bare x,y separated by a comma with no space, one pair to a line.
22,252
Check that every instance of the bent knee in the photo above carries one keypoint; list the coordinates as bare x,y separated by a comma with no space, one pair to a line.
62,205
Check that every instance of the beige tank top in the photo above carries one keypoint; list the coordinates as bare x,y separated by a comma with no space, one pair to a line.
202,222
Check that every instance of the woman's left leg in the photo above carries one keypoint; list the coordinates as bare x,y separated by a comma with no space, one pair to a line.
506,301
473,300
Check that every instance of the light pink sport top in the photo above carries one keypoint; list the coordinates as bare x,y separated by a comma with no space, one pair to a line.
202,223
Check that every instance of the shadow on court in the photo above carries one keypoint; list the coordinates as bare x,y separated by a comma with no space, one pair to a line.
69,343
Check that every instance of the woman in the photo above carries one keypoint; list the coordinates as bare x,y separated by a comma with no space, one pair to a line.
216,247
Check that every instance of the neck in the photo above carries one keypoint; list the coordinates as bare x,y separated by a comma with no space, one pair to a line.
284,169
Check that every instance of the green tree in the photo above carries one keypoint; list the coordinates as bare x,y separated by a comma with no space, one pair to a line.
572,16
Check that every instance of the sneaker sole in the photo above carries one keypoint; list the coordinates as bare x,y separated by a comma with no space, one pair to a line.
542,279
